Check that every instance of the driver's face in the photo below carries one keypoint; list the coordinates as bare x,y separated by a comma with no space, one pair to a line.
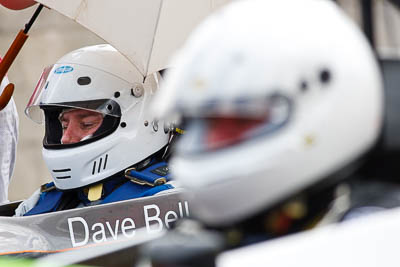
78,124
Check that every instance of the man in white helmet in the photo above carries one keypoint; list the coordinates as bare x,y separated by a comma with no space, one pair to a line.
280,101
101,144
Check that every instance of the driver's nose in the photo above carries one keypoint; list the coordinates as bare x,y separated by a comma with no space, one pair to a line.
71,134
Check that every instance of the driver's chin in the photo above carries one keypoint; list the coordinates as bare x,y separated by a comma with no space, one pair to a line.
86,137
72,142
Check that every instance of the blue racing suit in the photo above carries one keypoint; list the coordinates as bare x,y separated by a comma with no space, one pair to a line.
134,184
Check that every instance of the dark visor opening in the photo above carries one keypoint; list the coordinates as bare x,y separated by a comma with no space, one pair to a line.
75,124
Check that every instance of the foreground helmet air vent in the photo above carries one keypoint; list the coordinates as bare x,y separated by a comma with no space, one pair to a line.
101,165
63,173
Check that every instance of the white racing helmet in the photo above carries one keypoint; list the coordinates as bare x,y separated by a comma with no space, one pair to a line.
101,80
275,97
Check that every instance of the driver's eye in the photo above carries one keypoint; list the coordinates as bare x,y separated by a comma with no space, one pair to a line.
87,125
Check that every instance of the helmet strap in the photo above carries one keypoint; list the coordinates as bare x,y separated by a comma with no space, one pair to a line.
95,192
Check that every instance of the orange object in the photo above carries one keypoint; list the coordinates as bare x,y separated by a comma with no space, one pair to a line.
6,63
7,94
17,4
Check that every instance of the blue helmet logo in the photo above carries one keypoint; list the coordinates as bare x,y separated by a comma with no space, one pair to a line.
63,69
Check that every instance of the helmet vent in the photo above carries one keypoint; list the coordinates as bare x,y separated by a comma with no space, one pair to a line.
84,80
102,164
63,177
62,171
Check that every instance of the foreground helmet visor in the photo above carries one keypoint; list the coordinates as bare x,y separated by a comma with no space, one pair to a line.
215,132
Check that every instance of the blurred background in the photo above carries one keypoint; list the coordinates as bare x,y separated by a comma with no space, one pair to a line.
53,35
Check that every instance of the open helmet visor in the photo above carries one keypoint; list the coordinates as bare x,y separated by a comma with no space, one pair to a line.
80,86
77,104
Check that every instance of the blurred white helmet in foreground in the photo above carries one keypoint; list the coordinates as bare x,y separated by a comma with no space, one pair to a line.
276,96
